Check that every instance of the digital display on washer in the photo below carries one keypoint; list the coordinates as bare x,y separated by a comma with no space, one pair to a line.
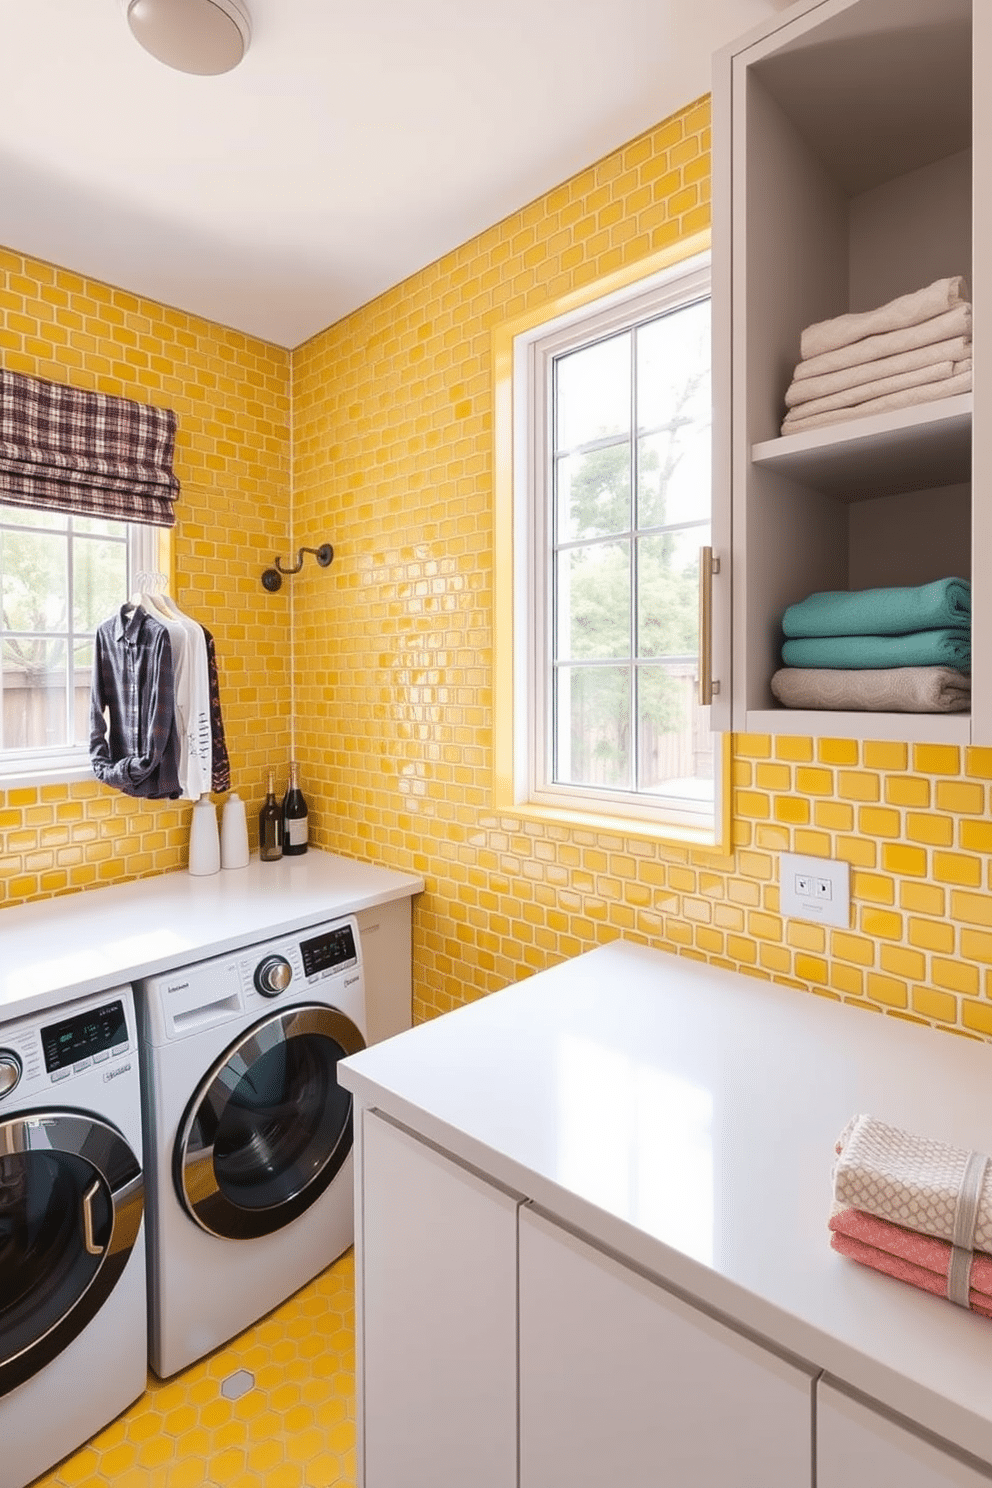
84,1035
333,948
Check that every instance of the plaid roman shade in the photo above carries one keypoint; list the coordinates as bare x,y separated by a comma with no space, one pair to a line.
88,453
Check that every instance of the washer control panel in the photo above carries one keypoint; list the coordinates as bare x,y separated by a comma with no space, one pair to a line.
84,1039
284,965
332,949
78,1040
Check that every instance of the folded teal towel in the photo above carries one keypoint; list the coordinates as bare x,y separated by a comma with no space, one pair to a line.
882,612
950,648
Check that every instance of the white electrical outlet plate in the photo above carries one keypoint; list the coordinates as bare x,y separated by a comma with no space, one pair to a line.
815,889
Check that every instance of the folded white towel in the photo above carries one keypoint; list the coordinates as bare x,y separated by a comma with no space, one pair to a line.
868,391
956,322
958,349
929,393
907,310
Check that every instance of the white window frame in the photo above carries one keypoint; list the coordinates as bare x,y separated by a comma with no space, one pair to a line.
532,349
147,550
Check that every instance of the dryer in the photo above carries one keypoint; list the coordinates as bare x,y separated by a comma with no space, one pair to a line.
248,1136
73,1345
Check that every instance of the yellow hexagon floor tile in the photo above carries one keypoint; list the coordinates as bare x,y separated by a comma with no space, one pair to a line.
274,1408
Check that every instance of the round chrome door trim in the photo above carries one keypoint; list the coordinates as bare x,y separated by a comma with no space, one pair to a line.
194,1172
117,1169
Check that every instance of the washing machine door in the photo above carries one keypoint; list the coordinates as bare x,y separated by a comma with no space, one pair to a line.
71,1202
269,1127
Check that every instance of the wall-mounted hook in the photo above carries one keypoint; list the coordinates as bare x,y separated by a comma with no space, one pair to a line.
272,577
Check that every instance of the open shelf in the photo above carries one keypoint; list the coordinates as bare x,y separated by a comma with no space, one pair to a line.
907,449
910,728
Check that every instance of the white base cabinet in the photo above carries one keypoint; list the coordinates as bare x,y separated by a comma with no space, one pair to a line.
592,1245
621,1382
437,1336
483,1324
857,1445
497,1349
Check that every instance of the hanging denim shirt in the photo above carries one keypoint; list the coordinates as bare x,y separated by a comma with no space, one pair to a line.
133,680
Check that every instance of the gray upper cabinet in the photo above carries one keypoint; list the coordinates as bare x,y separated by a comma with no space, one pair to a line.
844,176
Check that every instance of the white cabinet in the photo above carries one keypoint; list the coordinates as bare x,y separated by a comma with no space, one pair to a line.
844,177
855,1445
437,1319
614,1378
621,1382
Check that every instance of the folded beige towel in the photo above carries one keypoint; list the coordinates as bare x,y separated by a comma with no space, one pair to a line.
956,322
909,1180
868,391
907,310
926,689
929,392
957,349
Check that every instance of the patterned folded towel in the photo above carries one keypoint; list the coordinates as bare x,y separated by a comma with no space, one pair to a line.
876,612
907,1180
956,322
945,648
929,392
910,309
912,1249
893,690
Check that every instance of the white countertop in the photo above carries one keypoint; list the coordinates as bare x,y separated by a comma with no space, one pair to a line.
53,949
685,1117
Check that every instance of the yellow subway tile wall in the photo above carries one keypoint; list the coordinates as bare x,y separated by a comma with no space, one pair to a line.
390,459
393,462
231,396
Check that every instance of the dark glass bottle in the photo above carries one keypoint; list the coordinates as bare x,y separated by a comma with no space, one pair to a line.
294,815
270,826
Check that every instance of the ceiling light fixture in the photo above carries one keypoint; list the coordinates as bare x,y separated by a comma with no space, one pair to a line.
204,37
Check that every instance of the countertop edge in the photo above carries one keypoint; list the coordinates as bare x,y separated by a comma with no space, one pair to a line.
60,949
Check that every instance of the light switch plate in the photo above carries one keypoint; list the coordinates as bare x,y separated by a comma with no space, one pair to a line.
815,889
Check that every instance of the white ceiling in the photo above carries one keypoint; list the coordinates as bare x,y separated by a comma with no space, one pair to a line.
358,141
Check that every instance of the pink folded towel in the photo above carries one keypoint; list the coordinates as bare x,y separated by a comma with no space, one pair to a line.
918,1276
913,1249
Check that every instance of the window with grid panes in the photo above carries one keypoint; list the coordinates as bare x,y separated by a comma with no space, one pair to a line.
612,504
60,577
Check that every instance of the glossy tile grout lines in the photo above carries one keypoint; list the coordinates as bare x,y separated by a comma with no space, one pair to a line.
275,1408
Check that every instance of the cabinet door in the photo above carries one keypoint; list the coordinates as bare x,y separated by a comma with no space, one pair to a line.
622,1383
857,1445
438,1339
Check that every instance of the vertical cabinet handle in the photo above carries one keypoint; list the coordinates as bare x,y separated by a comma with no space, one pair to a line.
89,1236
708,566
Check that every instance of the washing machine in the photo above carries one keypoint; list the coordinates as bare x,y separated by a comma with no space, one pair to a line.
248,1136
73,1342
